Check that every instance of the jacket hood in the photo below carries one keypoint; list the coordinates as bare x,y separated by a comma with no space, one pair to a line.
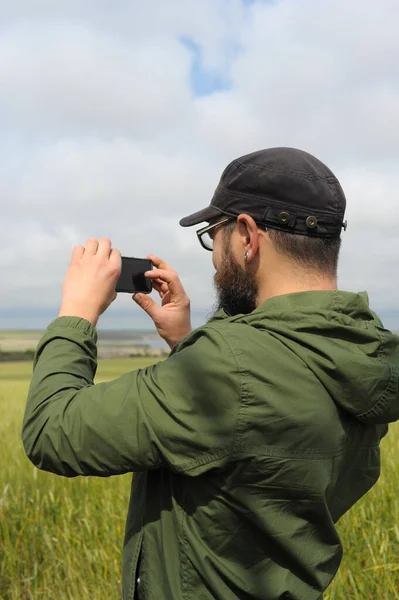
343,343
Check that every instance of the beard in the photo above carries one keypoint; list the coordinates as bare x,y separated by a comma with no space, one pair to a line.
236,288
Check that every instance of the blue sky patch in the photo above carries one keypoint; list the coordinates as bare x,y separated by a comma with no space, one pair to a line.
203,82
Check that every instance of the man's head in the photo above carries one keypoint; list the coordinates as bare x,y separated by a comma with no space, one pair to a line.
274,227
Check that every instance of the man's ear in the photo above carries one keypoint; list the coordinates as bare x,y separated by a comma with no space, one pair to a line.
249,233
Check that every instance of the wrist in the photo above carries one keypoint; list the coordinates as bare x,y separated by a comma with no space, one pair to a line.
71,309
173,342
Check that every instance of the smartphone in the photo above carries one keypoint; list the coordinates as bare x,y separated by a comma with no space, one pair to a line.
132,278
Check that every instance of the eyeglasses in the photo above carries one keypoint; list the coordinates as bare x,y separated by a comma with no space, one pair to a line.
206,234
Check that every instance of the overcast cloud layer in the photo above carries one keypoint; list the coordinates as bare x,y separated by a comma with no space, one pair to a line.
117,119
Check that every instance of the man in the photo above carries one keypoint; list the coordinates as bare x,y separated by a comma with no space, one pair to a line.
261,428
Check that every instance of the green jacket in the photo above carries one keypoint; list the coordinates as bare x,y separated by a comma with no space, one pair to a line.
248,442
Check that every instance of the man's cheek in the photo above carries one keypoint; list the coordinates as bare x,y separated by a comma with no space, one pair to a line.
216,258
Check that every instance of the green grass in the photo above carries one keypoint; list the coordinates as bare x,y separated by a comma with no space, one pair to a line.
61,539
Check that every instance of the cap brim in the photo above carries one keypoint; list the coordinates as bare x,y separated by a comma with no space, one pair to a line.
206,214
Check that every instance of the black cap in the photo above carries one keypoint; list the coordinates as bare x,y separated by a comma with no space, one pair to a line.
280,188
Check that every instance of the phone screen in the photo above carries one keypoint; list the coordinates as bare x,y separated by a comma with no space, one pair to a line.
132,278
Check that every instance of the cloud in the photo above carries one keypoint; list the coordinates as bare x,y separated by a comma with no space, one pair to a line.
74,190
323,74
118,120
69,79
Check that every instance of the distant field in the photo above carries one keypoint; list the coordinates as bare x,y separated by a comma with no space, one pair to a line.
19,340
20,334
61,539
117,344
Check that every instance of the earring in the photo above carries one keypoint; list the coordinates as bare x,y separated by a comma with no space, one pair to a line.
246,256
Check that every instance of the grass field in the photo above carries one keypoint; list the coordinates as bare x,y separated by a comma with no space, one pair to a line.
110,344
61,539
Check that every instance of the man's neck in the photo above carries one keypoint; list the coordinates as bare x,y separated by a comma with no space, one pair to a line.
280,286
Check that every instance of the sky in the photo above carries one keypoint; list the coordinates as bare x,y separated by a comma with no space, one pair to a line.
118,118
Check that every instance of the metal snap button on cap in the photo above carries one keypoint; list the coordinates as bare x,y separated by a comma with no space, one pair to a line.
311,222
283,218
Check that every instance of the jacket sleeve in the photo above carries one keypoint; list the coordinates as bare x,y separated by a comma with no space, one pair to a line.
180,413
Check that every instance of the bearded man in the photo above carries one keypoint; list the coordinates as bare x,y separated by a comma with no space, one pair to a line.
261,428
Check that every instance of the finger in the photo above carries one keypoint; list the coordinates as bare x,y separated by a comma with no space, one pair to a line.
162,292
147,304
116,254
166,299
164,275
158,283
171,278
157,286
115,261
158,262
91,246
77,252
104,248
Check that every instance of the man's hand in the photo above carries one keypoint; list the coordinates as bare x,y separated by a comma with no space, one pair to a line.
172,318
89,285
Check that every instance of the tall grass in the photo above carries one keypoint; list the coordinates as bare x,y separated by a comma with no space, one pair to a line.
61,539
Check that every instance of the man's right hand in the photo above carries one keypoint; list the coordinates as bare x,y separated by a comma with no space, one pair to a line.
172,318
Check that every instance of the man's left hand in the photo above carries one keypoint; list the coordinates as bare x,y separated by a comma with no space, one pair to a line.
89,285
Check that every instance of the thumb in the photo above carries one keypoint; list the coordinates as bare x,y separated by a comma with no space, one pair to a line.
146,303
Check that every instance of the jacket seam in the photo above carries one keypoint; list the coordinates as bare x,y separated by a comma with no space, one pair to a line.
183,570
275,452
375,410
214,456
133,568
199,462
381,403
184,565
239,427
